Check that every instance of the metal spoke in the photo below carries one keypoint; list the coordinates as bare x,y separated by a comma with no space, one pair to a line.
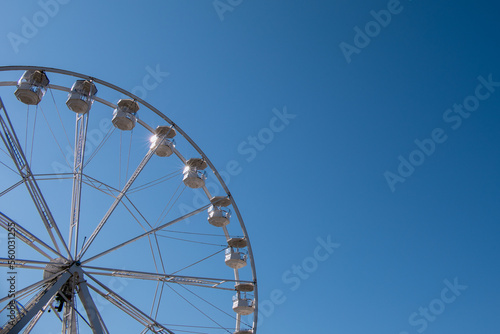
80,140
148,233
12,187
118,199
4,262
119,305
27,237
177,279
13,145
126,306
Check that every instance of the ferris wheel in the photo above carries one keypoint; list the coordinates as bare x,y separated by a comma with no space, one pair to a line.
113,219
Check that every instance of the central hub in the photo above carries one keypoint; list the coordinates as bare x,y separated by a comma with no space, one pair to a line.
66,292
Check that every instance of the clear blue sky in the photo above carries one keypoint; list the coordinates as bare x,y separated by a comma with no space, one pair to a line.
364,98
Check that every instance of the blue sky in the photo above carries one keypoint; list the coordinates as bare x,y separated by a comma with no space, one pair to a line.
327,167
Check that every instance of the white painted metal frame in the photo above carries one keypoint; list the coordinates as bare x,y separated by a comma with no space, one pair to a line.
80,265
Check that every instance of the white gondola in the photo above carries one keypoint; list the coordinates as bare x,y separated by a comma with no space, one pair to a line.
165,145
243,303
218,216
124,116
194,174
32,87
235,258
244,288
194,178
81,96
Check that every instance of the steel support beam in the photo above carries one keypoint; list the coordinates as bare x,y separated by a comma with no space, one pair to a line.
95,319
80,140
118,199
39,302
9,137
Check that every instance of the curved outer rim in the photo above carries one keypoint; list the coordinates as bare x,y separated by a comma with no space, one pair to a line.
177,128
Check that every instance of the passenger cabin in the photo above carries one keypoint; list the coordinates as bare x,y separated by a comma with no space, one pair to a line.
194,174
81,96
243,303
124,116
163,141
31,87
218,213
236,254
